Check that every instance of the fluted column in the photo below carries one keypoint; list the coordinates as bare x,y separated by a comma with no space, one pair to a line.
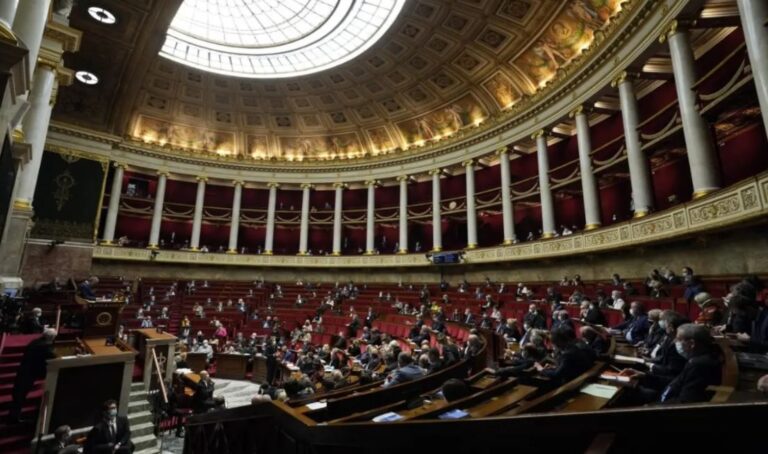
591,197
337,213
304,233
157,214
29,24
114,205
469,174
403,227
269,237
8,12
702,157
234,224
197,220
370,224
437,222
754,14
507,213
35,125
639,172
545,192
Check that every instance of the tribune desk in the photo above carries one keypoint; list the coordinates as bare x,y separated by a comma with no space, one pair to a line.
81,378
231,365
164,344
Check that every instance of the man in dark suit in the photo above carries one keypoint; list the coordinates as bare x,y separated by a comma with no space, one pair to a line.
635,328
203,399
86,288
33,367
573,358
33,324
405,372
702,369
62,442
534,319
593,314
112,434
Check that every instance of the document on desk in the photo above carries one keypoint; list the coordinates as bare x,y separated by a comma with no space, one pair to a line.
599,390
317,405
628,359
388,417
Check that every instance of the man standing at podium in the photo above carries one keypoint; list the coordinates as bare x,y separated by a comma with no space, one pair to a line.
32,368
112,434
86,288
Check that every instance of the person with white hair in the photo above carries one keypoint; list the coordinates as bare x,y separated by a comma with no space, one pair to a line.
618,302
702,369
86,288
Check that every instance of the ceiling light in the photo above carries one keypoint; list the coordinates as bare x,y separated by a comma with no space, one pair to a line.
86,77
102,15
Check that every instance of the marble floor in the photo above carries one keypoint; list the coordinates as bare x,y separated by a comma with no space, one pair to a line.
236,393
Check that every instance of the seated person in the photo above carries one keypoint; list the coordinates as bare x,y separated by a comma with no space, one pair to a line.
435,363
203,400
509,330
572,358
702,368
62,443
336,380
111,434
594,340
454,389
33,324
406,371
522,364
591,312
635,328
86,288
534,318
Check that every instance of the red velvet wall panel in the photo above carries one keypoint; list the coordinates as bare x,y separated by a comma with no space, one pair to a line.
252,237
487,178
719,52
604,132
672,179
219,196
569,212
744,154
355,198
322,199
420,192
490,229
614,200
255,198
388,196
177,191
214,236
287,239
657,100
527,220
453,187
287,198
181,228
353,238
391,232
134,227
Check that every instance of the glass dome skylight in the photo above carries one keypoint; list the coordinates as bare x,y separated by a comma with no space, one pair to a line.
275,38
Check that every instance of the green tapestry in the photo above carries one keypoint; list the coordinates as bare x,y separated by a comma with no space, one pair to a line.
67,197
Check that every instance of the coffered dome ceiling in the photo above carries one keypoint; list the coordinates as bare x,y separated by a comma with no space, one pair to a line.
442,71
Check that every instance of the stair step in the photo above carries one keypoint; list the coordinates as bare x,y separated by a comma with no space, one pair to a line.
144,428
140,417
145,442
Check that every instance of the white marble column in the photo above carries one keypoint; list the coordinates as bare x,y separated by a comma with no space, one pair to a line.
507,212
437,222
545,192
754,14
8,12
234,223
370,219
639,171
35,125
29,24
114,205
269,236
337,213
702,156
590,195
304,233
403,226
197,219
469,175
157,214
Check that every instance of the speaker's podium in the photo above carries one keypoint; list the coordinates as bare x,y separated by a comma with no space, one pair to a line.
88,371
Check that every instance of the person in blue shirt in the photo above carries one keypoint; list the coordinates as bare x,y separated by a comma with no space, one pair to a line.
635,328
86,288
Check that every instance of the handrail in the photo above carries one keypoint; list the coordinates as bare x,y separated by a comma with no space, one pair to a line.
43,415
657,114
742,46
160,378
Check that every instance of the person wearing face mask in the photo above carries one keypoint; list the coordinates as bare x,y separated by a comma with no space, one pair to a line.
534,319
756,336
111,434
592,313
664,362
702,368
62,442
635,328
655,332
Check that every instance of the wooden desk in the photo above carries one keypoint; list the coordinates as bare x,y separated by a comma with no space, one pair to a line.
231,365
197,361
503,402
164,345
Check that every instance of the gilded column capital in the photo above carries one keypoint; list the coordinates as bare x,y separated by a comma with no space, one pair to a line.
580,109
619,79
539,133
502,151
117,164
306,186
18,135
668,31
238,182
467,163
163,173
434,172
339,185
402,178
371,182
201,178
273,184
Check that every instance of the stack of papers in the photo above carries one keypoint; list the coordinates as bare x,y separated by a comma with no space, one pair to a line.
454,414
628,359
598,390
317,405
615,377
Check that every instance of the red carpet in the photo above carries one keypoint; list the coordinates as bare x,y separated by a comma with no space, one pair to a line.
16,438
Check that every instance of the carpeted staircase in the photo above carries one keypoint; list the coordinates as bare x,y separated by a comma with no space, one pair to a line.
15,438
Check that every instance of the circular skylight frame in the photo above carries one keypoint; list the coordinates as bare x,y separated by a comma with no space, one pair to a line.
87,77
102,15
339,30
